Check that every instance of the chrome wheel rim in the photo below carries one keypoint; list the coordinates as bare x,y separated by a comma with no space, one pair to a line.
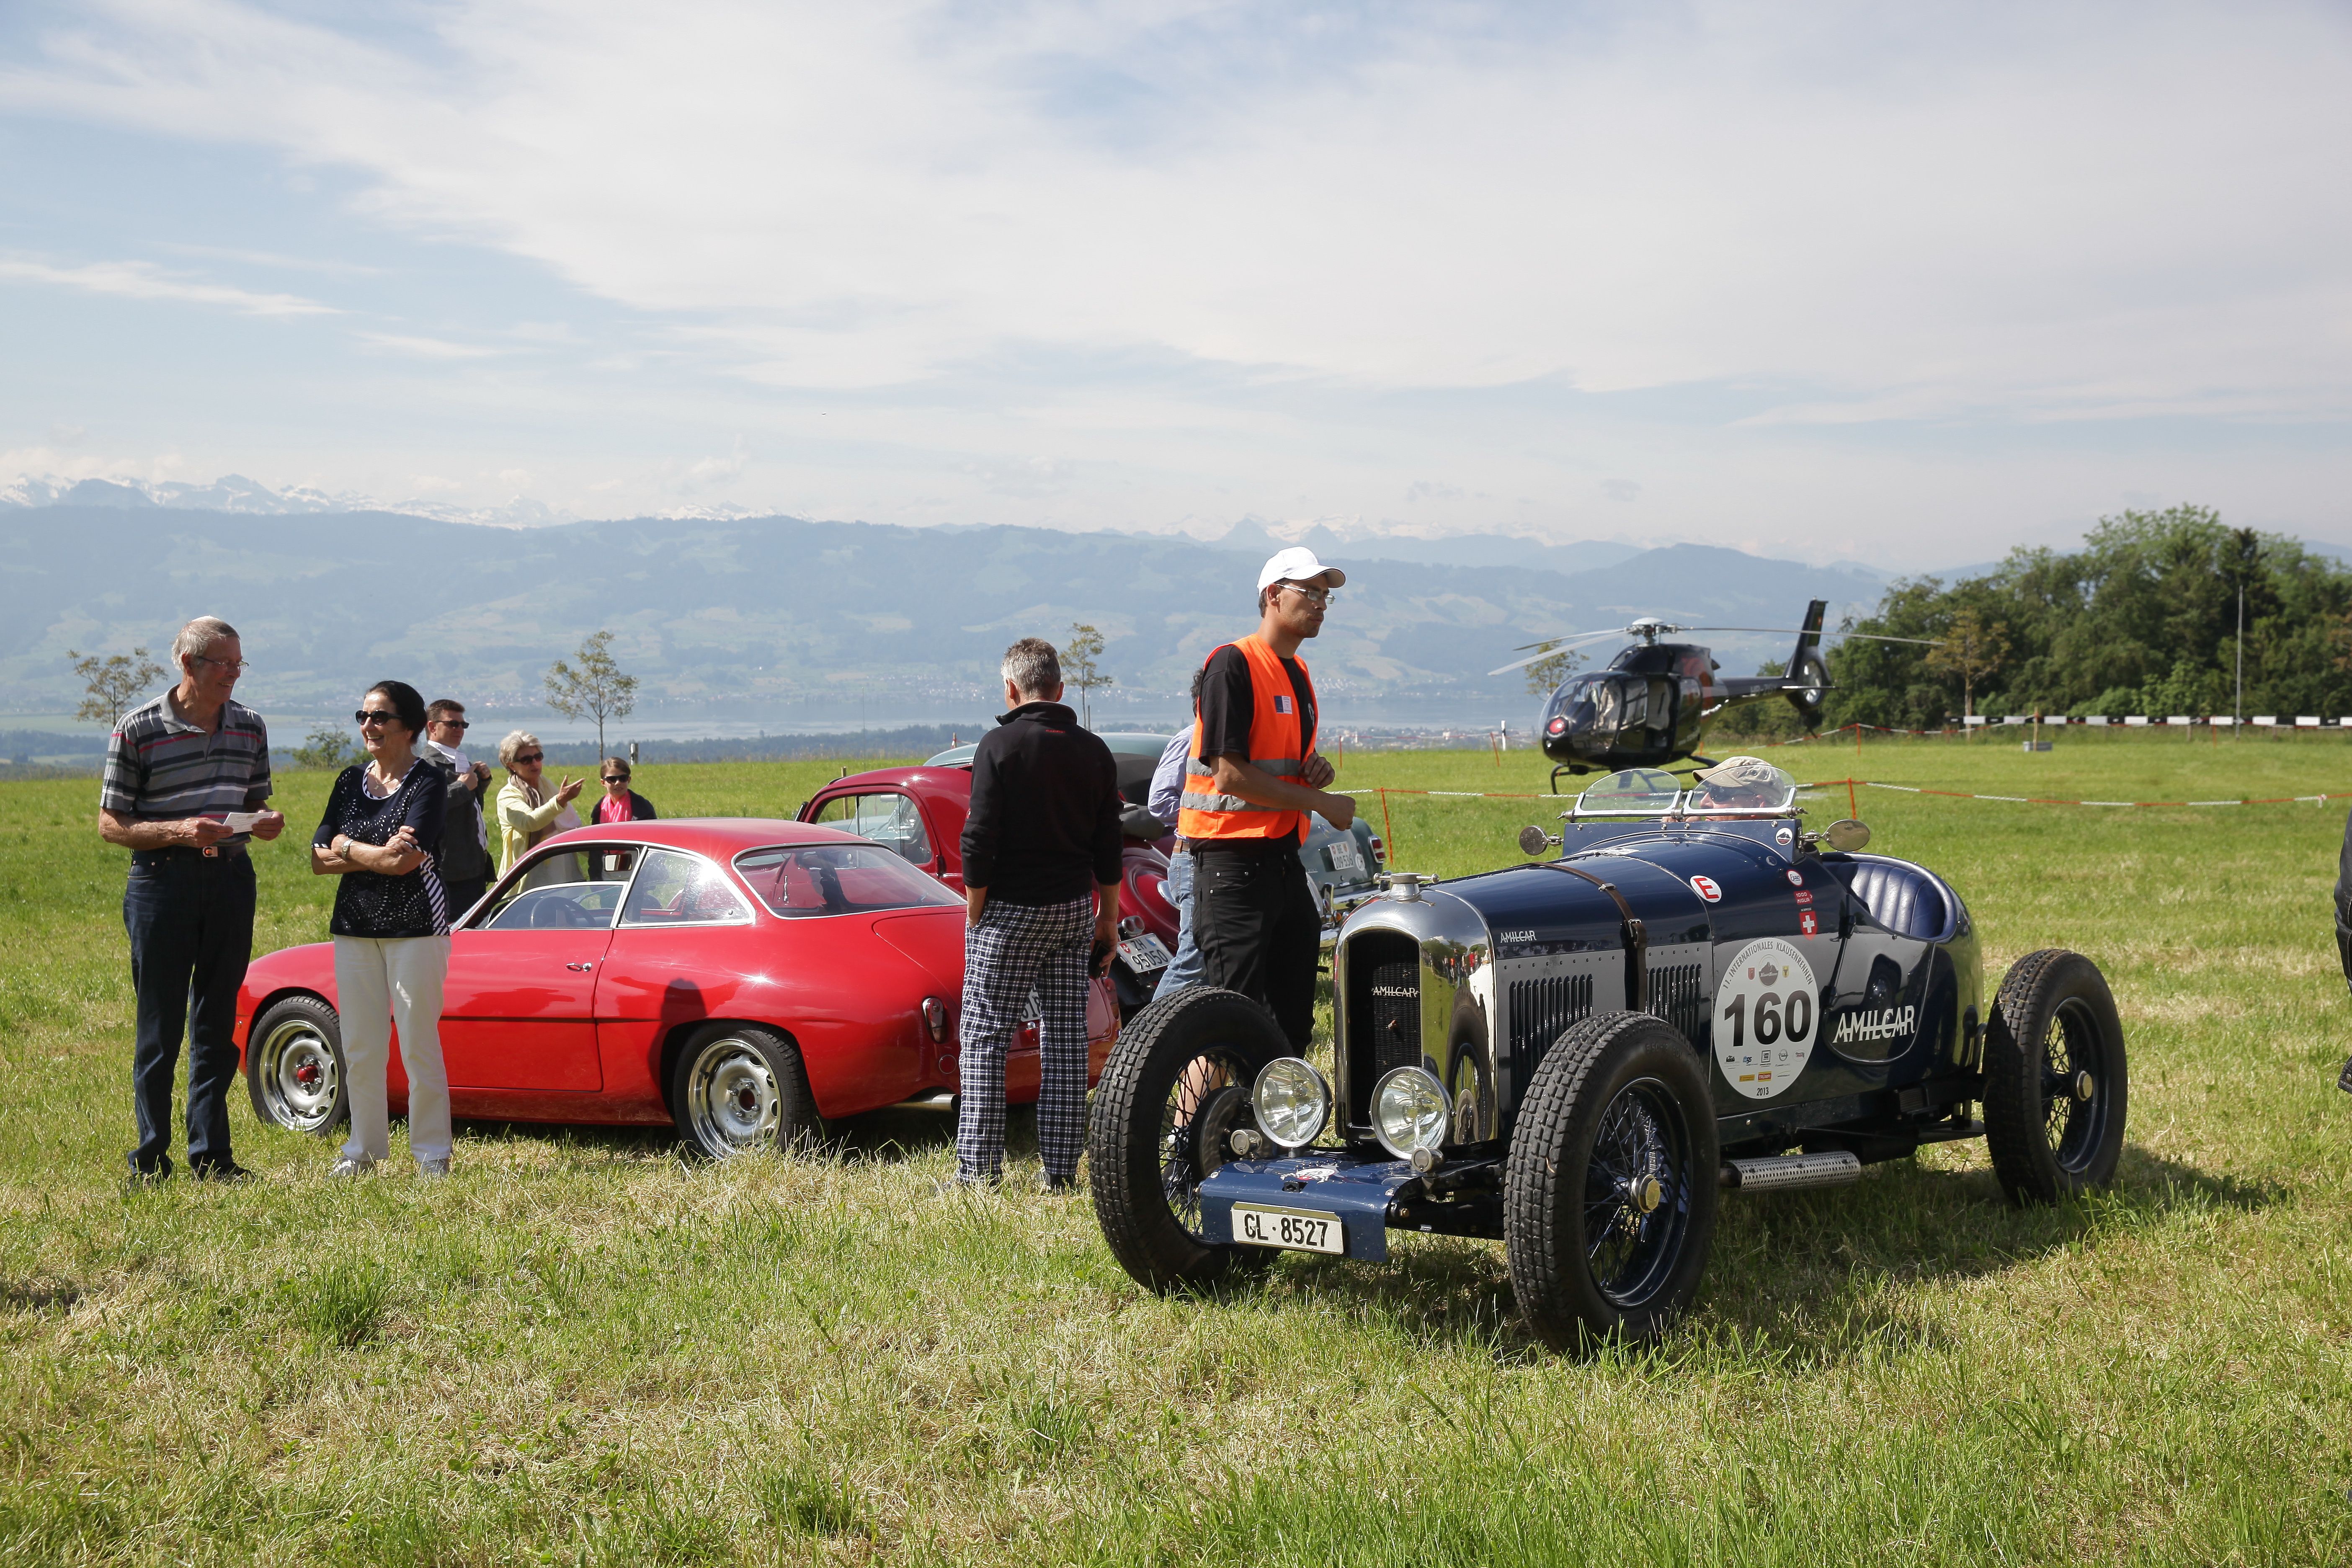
1187,1158
2073,1123
732,1099
1636,1194
300,1080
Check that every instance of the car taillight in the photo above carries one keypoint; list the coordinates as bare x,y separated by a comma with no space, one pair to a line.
1380,851
935,1020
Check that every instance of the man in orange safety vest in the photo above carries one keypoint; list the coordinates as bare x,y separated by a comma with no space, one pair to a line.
1253,780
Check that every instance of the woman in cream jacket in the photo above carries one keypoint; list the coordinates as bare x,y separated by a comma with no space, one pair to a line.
526,813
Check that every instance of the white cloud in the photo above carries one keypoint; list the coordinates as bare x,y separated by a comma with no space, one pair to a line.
2050,210
425,348
142,281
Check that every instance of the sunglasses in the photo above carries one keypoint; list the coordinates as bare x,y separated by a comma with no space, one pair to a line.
616,778
367,716
1313,596
453,723
523,757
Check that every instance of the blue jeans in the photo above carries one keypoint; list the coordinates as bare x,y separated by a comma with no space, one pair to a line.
190,918
1184,969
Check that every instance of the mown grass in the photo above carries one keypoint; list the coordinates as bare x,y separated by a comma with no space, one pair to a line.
582,1348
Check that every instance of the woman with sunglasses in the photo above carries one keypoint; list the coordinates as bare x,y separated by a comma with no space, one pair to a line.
526,813
390,926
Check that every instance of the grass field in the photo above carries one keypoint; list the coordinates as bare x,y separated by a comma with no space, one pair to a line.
584,1348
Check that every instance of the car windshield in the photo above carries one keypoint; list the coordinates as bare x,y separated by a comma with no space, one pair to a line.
1773,791
804,880
1636,792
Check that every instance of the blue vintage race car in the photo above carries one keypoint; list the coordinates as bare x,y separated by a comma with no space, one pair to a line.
1696,993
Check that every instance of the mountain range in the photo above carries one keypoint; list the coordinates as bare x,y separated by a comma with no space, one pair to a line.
793,624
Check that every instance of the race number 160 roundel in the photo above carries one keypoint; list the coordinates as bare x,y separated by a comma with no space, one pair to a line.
1767,1014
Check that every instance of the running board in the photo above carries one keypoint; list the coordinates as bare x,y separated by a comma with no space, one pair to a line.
1783,1173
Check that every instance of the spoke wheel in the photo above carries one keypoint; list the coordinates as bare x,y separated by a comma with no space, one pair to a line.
1609,1193
735,1089
2056,1088
294,1067
1176,1087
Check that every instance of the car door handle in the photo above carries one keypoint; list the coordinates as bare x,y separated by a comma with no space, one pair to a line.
579,966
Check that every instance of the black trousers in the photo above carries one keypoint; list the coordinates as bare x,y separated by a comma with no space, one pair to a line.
190,918
1256,920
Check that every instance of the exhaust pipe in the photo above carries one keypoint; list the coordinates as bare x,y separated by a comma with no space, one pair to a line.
1783,1173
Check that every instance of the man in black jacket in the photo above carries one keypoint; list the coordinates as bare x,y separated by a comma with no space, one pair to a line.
1041,872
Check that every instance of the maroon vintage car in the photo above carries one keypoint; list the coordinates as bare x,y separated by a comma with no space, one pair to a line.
920,812
745,980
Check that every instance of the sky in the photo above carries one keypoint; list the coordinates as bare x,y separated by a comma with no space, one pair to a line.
1907,285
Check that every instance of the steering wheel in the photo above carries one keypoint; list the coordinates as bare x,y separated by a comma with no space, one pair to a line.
553,912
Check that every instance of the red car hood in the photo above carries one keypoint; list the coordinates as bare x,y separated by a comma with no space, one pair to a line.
932,940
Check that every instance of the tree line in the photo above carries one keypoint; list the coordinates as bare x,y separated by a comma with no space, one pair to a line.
2144,618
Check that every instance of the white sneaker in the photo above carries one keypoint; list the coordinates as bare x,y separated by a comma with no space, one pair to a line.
433,1169
349,1166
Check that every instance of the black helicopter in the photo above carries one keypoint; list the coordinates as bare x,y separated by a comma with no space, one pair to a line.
1647,708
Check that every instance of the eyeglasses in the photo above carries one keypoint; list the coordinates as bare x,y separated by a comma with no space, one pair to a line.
523,757
367,716
616,778
453,723
1313,596
234,667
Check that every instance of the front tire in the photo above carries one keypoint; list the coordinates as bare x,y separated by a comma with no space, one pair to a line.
2056,1091
294,1068
736,1089
1609,1194
1175,1088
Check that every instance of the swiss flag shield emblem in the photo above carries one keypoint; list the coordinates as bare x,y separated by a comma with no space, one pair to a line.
1807,923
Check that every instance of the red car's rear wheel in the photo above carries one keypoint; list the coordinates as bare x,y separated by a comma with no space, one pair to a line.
735,1088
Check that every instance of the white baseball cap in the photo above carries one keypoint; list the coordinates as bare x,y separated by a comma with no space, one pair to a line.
1296,564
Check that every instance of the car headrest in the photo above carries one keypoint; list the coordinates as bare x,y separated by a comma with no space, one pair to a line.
1902,899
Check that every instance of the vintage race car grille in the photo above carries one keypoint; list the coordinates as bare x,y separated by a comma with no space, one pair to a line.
1383,1014
1677,996
1540,1011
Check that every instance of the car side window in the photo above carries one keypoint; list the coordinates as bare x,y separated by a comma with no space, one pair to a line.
886,817
674,890
565,889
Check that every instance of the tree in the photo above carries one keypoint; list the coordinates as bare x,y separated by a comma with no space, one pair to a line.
595,686
115,683
1544,674
328,747
1081,669
1972,648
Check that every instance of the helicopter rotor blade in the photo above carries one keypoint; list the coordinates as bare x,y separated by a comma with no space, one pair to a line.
1569,639
1798,631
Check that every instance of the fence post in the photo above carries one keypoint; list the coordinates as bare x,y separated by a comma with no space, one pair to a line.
1388,829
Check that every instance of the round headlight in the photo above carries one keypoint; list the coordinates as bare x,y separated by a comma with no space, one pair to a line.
1292,1101
1409,1110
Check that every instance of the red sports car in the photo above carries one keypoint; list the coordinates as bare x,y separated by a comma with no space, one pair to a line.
742,979
920,812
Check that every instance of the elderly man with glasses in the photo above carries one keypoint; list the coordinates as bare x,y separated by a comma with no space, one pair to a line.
464,861
187,779
1254,781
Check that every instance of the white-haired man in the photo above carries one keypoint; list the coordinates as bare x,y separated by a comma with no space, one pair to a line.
1041,871
187,779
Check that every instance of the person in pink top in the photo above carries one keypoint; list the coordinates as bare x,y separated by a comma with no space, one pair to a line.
619,801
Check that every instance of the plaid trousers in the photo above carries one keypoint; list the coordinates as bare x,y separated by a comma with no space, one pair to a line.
1015,949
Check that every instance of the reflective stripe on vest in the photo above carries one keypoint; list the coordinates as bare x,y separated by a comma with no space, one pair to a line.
1277,745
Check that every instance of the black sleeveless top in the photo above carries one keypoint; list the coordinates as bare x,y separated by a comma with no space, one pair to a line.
370,904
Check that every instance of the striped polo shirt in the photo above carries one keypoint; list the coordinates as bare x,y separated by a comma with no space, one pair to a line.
159,766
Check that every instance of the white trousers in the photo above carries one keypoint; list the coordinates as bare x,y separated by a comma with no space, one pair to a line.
380,983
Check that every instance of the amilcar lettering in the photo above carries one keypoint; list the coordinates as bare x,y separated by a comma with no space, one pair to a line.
1885,1024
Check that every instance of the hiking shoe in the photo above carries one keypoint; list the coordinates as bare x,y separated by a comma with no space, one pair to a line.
348,1167
1055,1187
221,1171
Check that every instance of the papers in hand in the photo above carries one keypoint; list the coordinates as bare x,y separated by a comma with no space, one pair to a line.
241,821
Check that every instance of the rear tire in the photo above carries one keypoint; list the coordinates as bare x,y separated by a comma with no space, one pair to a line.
294,1068
1609,1193
737,1087
1165,1106
2056,1091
